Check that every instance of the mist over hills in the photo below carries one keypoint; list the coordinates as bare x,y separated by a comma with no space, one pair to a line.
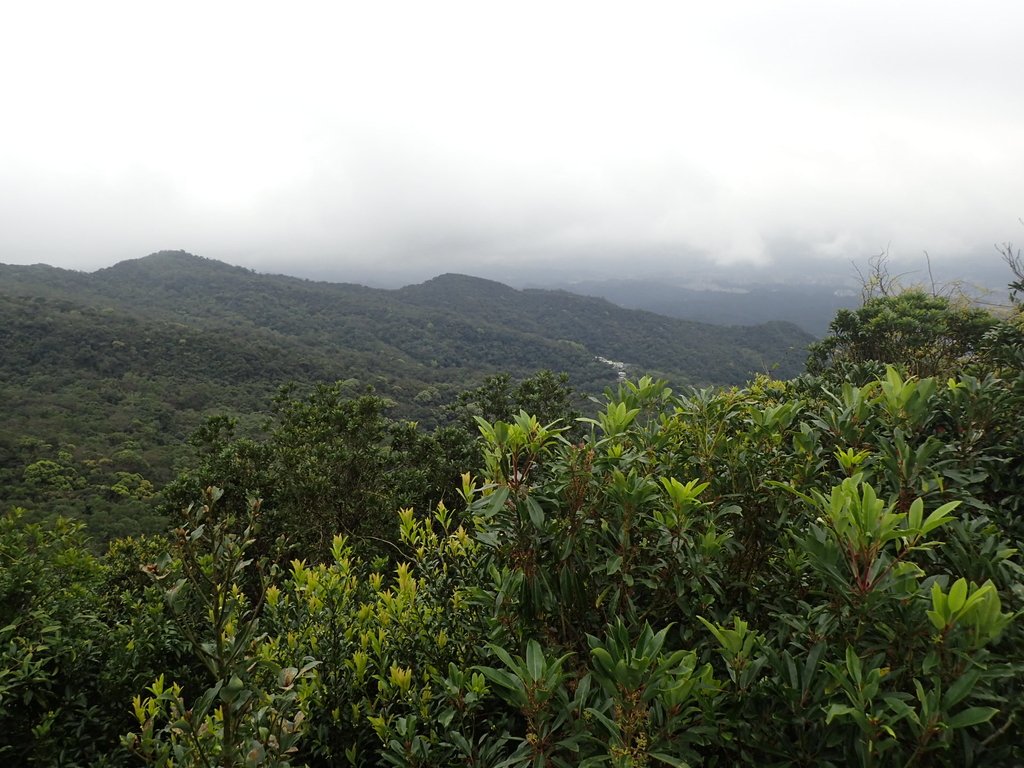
799,289
803,294
810,306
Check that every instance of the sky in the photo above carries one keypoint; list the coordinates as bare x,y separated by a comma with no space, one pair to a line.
391,141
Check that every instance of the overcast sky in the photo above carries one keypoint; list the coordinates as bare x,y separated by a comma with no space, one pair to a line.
416,138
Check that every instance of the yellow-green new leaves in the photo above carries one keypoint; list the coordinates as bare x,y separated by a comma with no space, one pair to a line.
740,648
615,419
938,517
850,459
684,497
871,536
974,607
511,449
864,523
906,400
251,713
401,677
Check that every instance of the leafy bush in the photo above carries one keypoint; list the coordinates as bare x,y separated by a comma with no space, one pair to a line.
927,334
823,571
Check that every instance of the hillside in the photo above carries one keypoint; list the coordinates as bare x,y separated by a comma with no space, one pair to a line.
113,369
452,329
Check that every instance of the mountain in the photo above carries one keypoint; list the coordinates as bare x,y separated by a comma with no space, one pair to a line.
453,329
811,306
104,375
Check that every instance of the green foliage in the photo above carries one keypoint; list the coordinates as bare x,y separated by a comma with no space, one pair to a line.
840,629
654,702
546,396
107,374
823,571
928,335
249,715
331,462
535,686
44,586
395,649
54,653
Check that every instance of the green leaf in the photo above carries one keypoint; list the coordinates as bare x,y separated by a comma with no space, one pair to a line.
853,664
230,692
502,654
838,710
939,615
202,706
675,762
939,517
510,688
915,515
960,688
972,716
535,663
495,502
535,512
900,708
603,660
957,595
609,725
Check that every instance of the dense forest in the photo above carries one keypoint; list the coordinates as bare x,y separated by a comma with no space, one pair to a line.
105,375
820,568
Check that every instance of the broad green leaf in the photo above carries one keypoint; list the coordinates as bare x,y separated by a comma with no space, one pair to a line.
535,663
960,688
838,710
495,502
502,654
915,515
675,762
972,716
853,665
604,661
957,595
939,517
535,512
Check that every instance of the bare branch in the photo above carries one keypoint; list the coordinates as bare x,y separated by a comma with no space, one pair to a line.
1016,264
931,277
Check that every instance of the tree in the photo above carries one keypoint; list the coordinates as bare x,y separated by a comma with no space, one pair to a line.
53,647
927,334
249,714
49,476
331,463
545,395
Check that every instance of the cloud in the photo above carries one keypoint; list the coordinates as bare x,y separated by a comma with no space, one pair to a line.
460,136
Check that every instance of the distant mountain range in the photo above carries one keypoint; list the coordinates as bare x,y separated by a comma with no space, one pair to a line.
449,331
811,306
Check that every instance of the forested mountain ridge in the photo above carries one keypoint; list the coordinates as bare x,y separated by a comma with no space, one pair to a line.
104,375
645,340
449,322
